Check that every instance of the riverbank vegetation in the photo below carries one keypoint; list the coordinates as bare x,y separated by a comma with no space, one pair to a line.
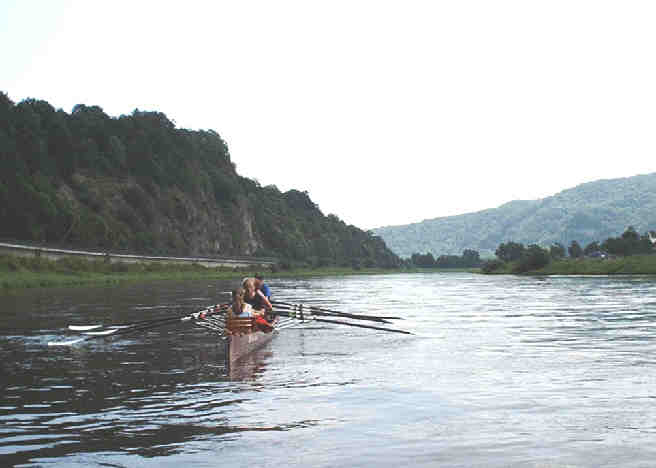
468,260
630,253
138,184
588,212
18,272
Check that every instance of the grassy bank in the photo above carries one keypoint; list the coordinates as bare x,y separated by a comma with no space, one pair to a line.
631,265
32,272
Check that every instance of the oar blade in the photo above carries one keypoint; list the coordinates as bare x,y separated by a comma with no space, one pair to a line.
92,331
102,332
84,327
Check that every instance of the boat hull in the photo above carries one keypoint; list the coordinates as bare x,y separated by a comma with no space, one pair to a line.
243,340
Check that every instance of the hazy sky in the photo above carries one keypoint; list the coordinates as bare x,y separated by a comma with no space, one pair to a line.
385,112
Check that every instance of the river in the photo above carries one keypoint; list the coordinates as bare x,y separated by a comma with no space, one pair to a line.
501,371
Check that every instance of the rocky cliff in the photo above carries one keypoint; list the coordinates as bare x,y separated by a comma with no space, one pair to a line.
137,183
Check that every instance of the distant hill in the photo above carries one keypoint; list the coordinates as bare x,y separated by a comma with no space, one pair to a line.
137,183
589,212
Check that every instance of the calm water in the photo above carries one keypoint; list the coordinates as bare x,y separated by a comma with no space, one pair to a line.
503,371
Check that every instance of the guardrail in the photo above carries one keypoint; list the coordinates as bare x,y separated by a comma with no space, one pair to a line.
54,253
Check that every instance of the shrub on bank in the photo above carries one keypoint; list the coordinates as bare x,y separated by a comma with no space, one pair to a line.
533,258
490,266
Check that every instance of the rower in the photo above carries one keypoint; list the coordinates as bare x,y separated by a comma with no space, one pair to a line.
239,307
264,290
260,304
254,296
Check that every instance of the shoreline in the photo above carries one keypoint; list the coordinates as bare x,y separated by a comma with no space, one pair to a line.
644,264
17,273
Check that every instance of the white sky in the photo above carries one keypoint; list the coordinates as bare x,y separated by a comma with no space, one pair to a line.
385,112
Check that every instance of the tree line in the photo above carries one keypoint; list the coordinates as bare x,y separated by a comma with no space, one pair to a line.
534,257
138,183
468,259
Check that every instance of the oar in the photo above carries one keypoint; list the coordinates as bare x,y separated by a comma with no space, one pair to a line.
84,328
363,326
95,327
375,318
310,310
338,322
112,332
141,327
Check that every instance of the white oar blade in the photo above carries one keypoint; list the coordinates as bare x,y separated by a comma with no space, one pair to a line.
83,327
65,343
103,332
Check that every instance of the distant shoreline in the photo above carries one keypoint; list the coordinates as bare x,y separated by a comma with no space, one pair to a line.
630,265
17,272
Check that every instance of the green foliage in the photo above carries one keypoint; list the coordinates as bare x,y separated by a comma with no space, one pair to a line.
425,260
490,266
629,243
588,212
637,249
138,183
557,251
468,259
591,248
533,258
575,250
510,251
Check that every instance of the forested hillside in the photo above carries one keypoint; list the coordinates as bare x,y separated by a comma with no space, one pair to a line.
138,183
589,212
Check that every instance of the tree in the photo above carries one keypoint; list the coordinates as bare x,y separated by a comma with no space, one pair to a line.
630,243
575,250
510,251
470,258
533,258
425,261
591,248
557,251
138,182
630,235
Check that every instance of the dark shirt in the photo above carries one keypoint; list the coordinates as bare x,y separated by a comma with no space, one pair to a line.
256,301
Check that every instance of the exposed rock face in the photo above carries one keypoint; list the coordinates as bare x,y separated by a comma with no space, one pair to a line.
136,183
175,221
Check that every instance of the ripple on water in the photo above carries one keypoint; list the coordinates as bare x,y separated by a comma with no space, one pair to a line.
503,371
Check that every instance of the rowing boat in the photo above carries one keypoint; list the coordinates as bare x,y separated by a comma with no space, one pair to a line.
243,336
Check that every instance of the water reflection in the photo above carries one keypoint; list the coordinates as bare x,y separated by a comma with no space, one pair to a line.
250,366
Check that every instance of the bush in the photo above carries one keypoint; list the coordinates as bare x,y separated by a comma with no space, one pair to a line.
533,258
492,265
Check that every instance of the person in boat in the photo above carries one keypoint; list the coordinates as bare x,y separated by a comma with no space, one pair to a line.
262,286
254,296
258,302
264,290
239,307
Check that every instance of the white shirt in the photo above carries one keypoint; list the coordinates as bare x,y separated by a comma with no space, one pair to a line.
246,312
